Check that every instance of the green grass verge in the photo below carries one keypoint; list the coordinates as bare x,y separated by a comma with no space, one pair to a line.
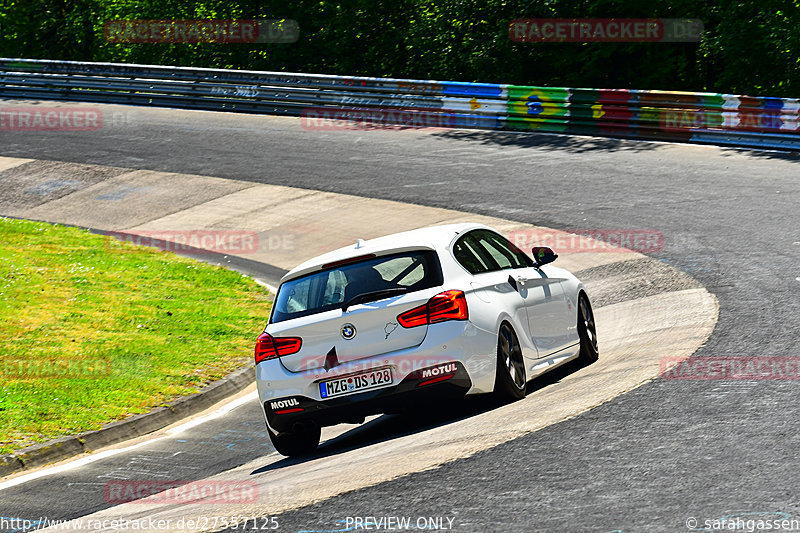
93,330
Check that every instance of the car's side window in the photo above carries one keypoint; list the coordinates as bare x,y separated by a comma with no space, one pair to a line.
466,252
485,251
500,256
505,254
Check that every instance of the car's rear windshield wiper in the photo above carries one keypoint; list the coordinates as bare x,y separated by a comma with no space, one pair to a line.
372,296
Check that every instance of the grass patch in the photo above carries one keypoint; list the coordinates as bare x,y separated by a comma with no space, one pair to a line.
93,330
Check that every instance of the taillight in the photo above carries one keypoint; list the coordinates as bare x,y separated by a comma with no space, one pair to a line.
414,317
447,305
269,347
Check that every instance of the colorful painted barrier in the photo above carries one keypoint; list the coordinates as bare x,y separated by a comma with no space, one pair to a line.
724,119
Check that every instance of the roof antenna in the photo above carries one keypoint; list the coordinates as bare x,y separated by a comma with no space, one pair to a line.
359,243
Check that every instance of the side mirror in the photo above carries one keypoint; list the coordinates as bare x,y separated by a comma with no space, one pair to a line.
543,255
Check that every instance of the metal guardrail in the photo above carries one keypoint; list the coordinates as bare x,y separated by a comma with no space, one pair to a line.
663,115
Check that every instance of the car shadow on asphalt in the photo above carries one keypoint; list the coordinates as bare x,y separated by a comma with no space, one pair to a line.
587,143
394,426
532,139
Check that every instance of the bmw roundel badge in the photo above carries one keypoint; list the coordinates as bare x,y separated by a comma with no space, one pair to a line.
348,331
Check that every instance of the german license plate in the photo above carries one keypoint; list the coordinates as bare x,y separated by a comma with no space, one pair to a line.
374,379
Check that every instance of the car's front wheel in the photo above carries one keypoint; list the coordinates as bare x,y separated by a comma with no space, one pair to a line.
510,382
302,440
587,331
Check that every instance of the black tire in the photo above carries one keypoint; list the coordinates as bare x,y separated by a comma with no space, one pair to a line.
303,440
587,331
510,381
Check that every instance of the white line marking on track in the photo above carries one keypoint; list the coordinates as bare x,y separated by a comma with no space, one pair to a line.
110,453
269,287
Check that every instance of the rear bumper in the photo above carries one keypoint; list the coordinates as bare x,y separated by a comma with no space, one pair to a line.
473,350
419,388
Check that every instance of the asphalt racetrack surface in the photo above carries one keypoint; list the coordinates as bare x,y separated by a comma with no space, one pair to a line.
665,457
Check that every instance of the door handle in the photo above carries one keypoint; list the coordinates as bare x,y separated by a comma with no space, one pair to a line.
520,282
536,282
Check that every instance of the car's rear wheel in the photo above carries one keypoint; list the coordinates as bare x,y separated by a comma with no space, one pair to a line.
510,382
587,331
302,440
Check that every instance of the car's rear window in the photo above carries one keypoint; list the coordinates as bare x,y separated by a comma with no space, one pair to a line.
331,288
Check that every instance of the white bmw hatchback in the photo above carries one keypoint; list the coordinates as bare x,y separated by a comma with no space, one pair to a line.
396,321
